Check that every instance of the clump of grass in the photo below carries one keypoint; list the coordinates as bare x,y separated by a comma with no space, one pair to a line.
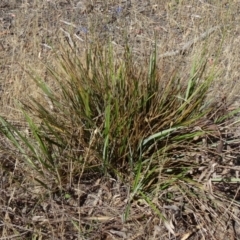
108,116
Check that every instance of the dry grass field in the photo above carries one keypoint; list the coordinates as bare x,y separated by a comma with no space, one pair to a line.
71,168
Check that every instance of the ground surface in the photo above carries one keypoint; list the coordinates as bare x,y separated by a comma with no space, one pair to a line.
28,32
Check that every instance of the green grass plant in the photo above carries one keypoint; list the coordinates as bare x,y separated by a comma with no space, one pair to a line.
110,114
107,116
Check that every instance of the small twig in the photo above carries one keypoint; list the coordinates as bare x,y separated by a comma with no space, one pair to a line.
189,44
67,34
73,25
68,23
76,36
46,46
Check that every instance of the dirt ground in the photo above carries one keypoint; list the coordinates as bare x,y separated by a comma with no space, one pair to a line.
182,30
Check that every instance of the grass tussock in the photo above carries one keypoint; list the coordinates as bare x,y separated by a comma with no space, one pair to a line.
106,116
117,141
111,116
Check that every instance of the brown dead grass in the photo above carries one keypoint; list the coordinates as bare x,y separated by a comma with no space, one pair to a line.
28,30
